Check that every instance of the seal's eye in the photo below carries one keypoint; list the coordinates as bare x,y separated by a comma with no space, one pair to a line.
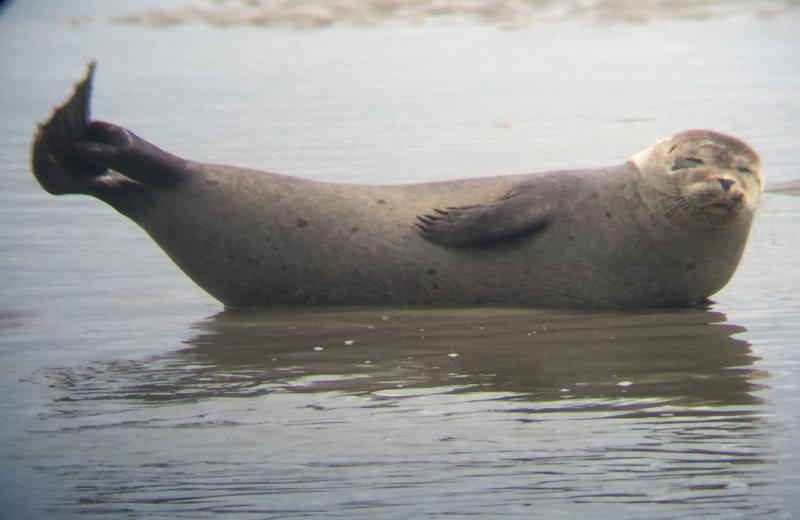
744,169
687,162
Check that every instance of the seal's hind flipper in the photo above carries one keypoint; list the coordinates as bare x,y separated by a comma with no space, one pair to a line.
56,163
499,221
121,150
72,154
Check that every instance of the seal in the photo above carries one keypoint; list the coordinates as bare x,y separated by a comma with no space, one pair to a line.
665,228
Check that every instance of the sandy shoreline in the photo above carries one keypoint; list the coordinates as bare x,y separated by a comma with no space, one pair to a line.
505,14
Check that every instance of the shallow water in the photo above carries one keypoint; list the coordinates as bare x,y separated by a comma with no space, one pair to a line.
128,392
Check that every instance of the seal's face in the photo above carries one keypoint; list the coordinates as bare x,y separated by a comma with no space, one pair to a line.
704,176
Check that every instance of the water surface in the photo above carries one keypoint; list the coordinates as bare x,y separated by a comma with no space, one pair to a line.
128,392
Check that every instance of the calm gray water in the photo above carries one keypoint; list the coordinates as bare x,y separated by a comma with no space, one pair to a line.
128,393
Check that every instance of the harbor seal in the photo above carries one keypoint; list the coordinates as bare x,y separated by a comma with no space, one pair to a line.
665,228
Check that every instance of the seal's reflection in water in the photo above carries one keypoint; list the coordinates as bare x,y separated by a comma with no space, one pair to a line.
401,407
686,356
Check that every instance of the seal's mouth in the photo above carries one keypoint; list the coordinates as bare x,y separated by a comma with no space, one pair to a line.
721,206
728,207
720,201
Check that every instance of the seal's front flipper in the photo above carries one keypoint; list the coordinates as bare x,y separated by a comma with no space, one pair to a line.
505,219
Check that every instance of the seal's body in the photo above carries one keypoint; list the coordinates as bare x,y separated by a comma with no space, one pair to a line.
666,228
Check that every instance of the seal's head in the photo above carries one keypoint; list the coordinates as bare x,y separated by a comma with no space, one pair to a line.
701,176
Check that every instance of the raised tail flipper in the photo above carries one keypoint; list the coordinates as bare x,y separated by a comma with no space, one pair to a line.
56,163
73,155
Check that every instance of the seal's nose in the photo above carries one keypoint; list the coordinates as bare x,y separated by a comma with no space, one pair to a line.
725,183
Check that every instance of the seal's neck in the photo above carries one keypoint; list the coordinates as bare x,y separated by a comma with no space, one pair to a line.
641,158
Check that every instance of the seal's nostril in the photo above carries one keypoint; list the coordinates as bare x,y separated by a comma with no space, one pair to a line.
725,183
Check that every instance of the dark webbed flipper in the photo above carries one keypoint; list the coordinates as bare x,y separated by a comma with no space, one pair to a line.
56,164
121,150
72,154
513,216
